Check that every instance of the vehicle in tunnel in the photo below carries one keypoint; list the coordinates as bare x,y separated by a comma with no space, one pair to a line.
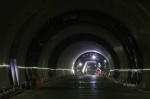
50,39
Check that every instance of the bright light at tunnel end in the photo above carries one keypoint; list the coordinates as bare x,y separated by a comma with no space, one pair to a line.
93,57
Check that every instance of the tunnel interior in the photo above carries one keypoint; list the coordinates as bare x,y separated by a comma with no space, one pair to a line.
77,26
91,63
99,20
55,40
76,29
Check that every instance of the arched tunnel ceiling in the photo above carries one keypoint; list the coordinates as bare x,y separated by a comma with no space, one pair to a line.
21,21
81,32
74,51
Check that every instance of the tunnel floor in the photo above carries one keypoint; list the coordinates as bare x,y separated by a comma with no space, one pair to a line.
82,87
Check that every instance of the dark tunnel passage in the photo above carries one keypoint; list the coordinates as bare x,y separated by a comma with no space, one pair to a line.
86,44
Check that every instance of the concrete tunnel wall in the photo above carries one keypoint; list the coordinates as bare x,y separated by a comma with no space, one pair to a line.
20,21
70,55
77,29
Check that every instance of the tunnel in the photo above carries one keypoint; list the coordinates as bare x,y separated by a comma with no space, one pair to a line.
74,46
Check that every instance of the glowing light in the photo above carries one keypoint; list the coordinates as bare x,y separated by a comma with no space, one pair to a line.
73,70
93,76
80,64
93,57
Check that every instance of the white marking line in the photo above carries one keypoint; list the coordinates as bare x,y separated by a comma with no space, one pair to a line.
22,67
71,69
136,70
41,68
3,65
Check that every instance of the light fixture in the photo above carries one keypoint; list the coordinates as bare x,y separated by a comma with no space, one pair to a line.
80,64
93,57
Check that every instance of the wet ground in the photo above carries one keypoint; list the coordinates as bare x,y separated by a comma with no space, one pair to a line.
82,87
